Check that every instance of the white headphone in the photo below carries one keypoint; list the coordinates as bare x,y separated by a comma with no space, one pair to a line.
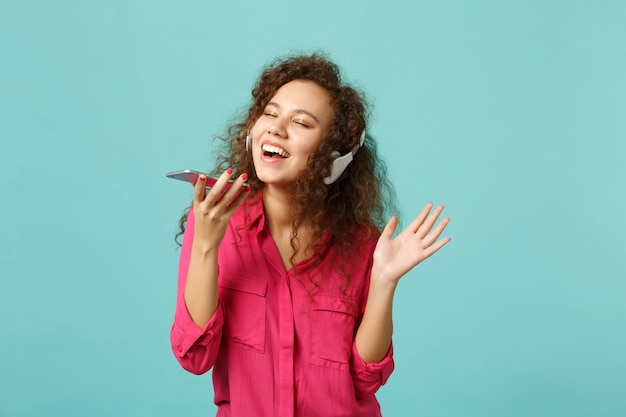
340,162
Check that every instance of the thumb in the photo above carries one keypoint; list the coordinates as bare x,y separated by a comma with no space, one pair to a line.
390,227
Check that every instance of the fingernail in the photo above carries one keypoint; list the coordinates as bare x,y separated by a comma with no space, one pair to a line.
202,178
244,176
229,171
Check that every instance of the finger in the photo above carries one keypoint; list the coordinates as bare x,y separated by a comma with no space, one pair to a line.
199,191
424,229
216,193
432,237
434,248
390,227
235,188
234,204
417,222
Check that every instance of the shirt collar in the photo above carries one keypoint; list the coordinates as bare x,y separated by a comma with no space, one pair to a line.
253,212
255,221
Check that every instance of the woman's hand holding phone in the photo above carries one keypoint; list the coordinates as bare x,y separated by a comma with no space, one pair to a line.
212,210
214,207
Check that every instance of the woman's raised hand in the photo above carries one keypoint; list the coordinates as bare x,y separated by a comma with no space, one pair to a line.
395,257
213,209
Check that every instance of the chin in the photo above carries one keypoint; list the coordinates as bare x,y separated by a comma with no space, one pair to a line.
275,181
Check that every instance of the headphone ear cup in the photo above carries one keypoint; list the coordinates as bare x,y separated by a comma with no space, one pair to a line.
249,142
334,166
341,162
338,166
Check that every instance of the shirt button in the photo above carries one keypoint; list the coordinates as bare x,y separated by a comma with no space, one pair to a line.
179,348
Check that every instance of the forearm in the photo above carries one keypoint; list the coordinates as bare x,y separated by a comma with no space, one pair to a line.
373,337
201,286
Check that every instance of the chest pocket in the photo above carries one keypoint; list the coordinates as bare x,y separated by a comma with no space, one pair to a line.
244,303
332,331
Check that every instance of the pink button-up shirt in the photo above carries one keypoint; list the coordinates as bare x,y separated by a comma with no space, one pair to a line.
281,343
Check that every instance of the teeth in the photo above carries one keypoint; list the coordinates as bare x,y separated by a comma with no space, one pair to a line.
275,149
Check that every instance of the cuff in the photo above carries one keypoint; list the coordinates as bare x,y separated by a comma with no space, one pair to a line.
186,333
374,373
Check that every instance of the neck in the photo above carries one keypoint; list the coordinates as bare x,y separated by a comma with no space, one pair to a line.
277,208
278,214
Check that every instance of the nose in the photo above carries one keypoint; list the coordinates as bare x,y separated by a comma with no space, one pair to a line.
277,128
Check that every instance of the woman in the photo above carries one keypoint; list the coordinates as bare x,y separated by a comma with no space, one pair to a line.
286,290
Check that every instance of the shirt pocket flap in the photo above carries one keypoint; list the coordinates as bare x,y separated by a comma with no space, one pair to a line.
331,303
240,282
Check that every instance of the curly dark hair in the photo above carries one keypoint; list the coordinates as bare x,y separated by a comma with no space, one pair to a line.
360,199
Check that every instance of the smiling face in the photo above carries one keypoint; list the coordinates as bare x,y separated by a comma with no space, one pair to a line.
293,125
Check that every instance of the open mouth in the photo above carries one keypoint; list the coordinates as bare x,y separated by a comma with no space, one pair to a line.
270,151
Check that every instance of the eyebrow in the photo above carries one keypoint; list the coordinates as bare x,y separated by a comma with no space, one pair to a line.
299,111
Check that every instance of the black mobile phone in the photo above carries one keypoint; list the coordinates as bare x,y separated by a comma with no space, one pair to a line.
191,176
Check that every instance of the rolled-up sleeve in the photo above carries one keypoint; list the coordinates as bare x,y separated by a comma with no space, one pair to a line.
369,377
195,348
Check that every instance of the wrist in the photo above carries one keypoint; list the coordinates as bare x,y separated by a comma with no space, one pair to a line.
382,279
382,288
205,249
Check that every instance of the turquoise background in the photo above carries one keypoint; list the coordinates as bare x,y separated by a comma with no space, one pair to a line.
513,114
